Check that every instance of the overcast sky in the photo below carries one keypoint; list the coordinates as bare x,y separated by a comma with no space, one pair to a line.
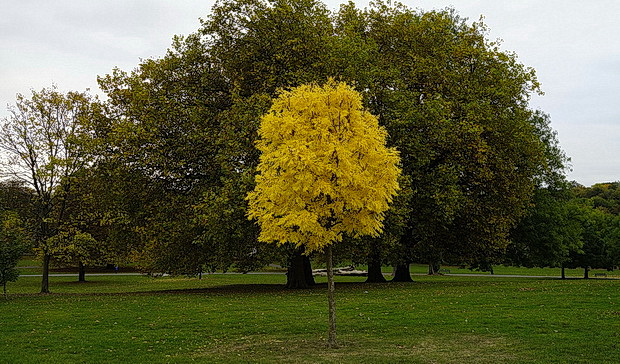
573,45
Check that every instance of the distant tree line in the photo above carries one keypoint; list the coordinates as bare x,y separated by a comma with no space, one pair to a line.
569,227
157,174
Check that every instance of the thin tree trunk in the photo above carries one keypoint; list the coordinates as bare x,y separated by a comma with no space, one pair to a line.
81,273
563,272
331,300
4,288
402,274
586,272
45,280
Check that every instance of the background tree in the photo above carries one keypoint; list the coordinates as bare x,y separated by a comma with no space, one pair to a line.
41,143
602,196
600,235
599,221
262,46
550,232
456,107
71,246
186,122
14,242
324,172
15,196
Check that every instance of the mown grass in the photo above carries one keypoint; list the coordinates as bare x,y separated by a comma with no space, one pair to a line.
252,318
507,270
31,265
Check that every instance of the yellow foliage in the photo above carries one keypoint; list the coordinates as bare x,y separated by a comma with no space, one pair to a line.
324,169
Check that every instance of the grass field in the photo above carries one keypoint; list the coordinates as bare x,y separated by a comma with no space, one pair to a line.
252,318
33,266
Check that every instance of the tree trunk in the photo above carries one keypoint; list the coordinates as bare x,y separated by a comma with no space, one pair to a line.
82,273
308,271
374,266
45,280
4,289
299,273
401,273
586,272
433,268
374,273
563,272
331,300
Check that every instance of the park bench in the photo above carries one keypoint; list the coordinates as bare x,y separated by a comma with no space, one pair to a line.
443,271
600,274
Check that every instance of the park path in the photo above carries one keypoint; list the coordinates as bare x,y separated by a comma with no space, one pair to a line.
206,274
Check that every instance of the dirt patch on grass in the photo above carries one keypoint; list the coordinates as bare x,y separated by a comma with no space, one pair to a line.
461,349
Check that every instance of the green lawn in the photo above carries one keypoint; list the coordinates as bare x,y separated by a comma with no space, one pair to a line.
33,266
252,318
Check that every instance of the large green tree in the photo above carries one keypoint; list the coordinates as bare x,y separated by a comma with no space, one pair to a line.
161,149
600,222
456,107
599,237
187,122
549,233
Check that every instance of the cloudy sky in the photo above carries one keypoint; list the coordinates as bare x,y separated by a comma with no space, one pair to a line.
573,45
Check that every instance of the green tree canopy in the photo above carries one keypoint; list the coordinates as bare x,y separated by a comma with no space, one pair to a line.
14,242
549,233
455,106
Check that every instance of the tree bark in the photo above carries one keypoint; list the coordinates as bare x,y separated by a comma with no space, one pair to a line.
81,273
4,289
375,275
563,272
374,266
299,273
331,300
401,273
308,271
433,268
45,280
586,272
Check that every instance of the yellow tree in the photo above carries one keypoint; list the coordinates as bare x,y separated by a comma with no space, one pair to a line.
324,172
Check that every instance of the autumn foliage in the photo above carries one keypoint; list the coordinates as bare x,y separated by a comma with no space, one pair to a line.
324,169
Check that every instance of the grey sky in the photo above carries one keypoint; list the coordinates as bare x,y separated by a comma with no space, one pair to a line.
573,45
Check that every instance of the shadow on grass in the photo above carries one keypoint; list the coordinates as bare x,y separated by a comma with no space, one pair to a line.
232,289
273,288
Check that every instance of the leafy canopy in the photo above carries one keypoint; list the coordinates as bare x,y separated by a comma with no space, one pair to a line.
13,244
324,169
